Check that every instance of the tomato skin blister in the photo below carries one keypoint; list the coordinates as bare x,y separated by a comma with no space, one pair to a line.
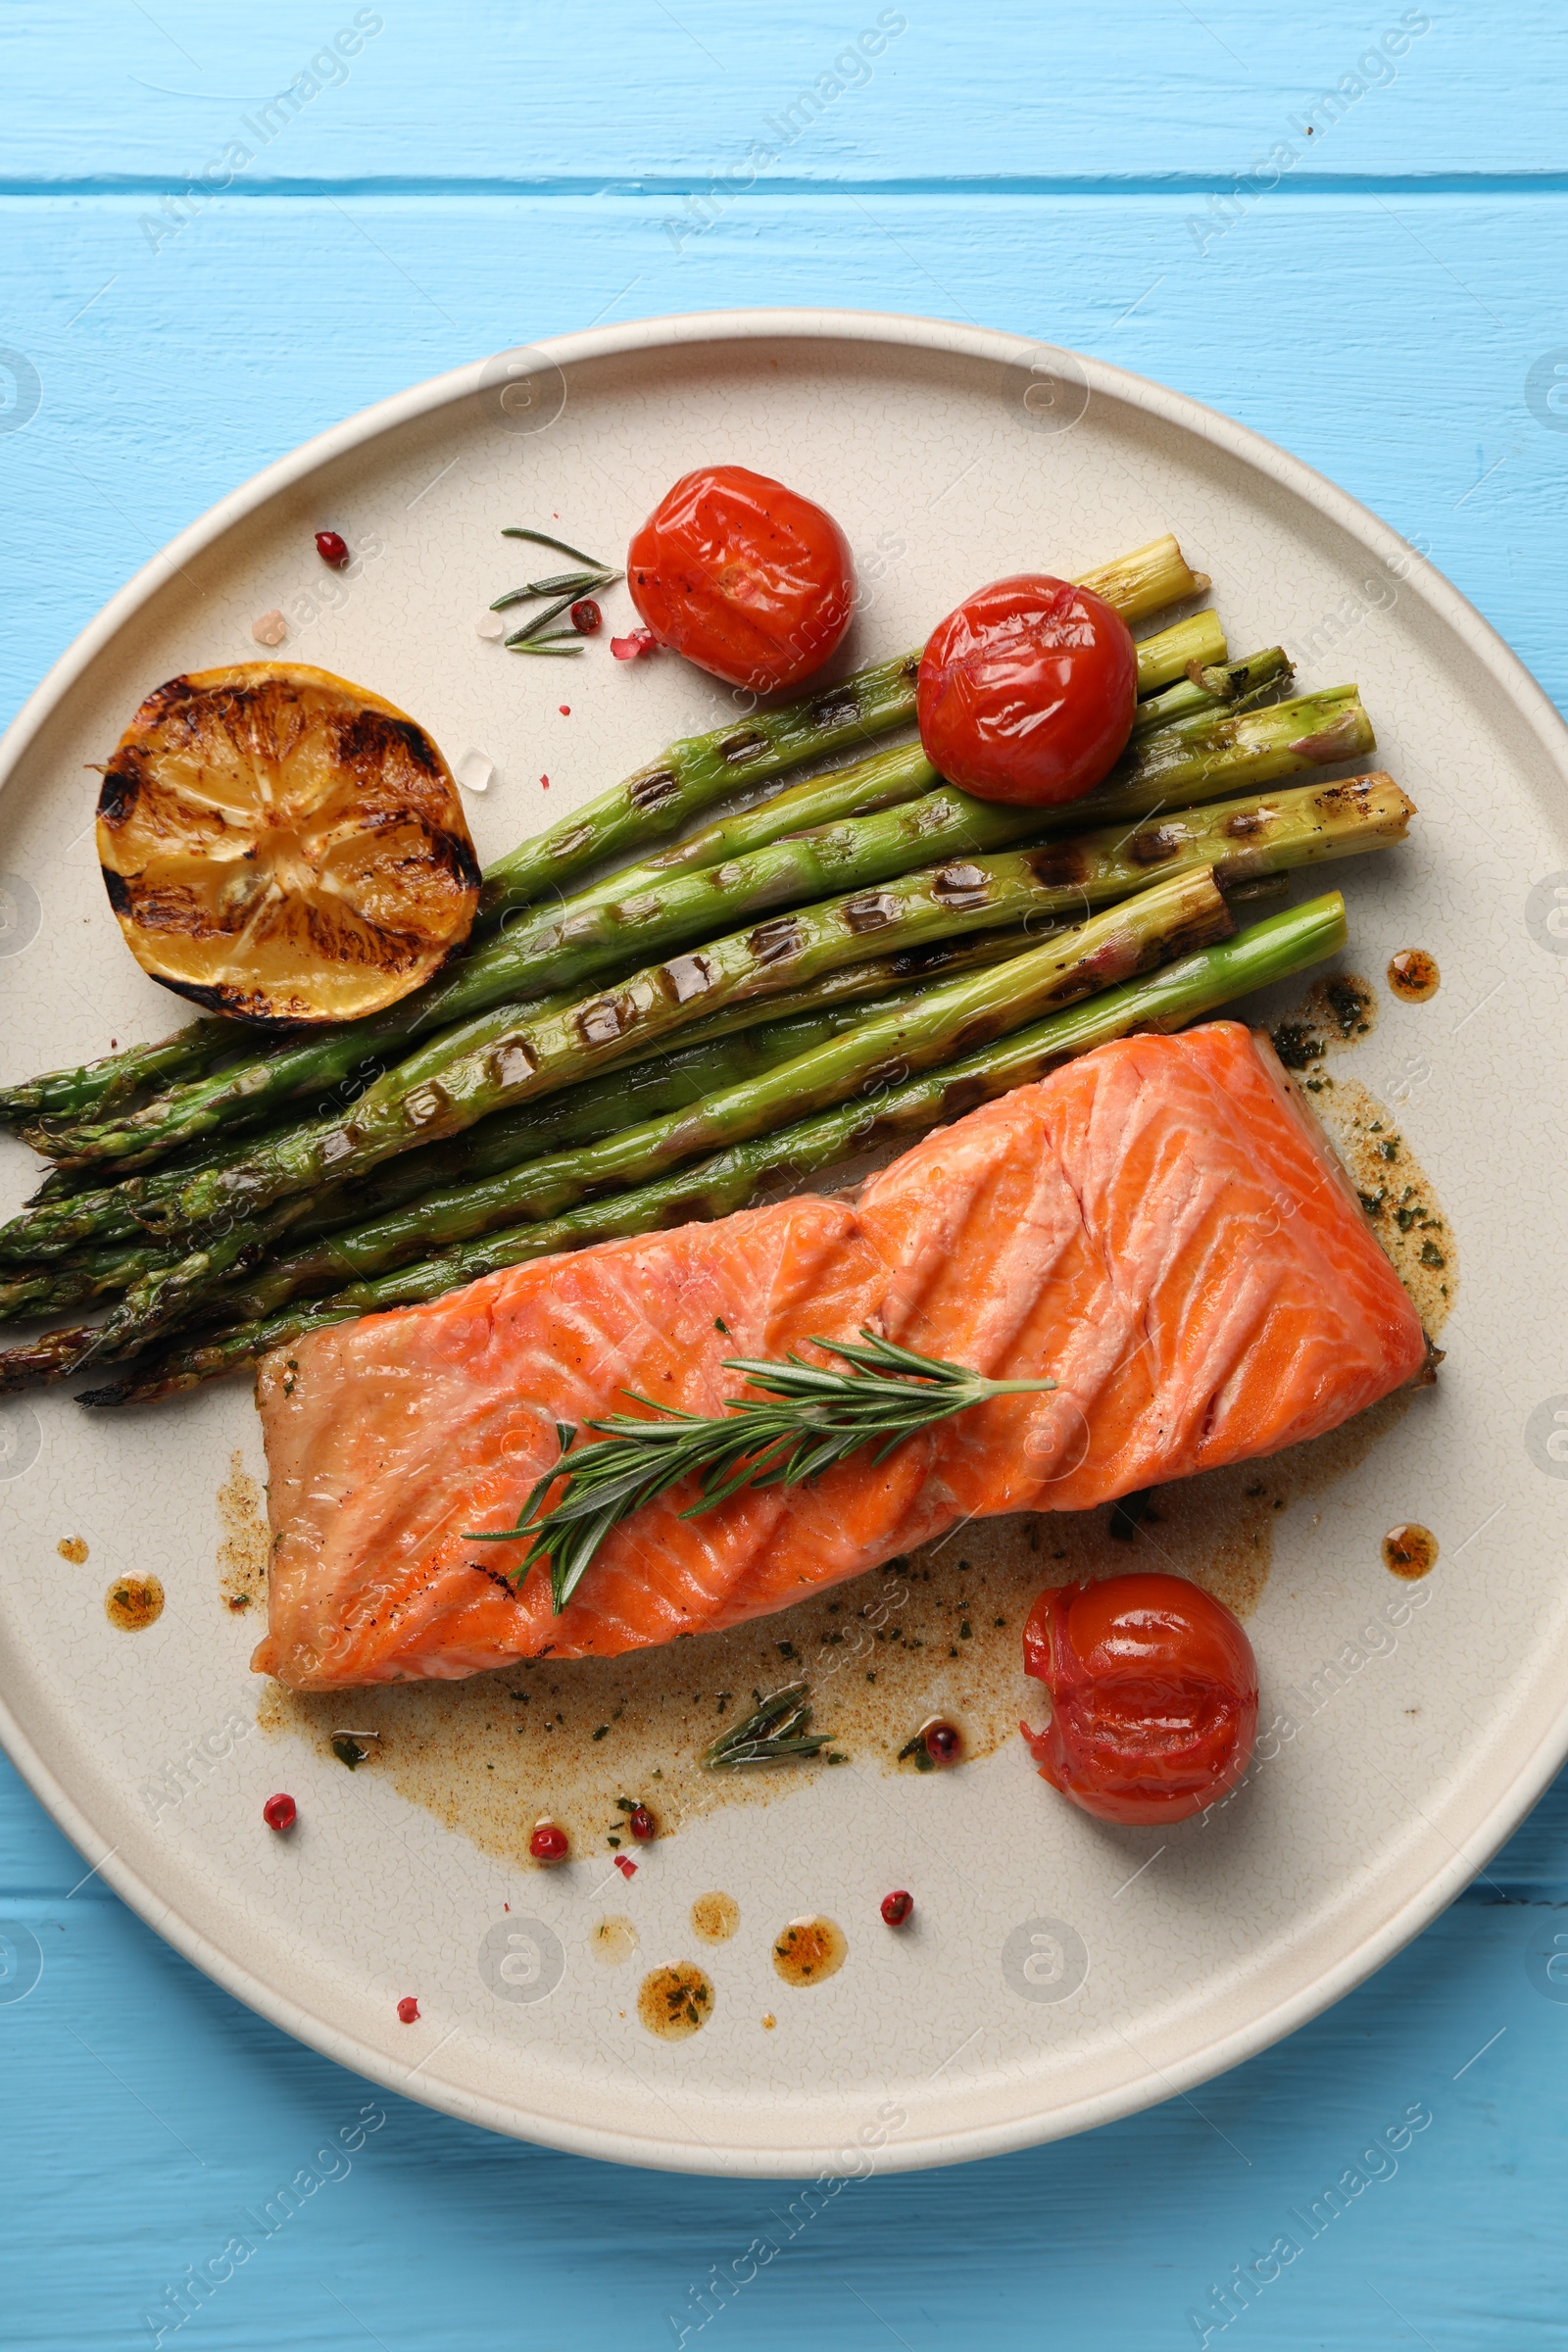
1154,1697
747,578
1027,691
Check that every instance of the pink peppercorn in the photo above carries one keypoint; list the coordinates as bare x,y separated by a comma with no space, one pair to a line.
896,1908
549,1843
331,547
407,2009
280,1812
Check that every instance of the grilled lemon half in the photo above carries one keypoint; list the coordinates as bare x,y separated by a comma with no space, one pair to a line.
282,846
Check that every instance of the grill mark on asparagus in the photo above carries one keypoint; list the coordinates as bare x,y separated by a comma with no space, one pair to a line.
960,886
688,976
651,793
872,913
770,943
1060,866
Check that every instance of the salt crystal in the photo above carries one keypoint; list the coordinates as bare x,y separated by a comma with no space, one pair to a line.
492,627
270,628
475,772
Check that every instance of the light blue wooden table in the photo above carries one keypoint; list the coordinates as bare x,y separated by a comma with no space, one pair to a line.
1343,223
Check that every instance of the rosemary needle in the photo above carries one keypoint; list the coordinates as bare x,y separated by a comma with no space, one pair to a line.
543,539
807,1419
573,583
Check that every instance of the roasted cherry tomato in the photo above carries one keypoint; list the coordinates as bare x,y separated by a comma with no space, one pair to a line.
1027,691
1154,1697
744,578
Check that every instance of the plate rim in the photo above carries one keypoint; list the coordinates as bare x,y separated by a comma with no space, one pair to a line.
1528,700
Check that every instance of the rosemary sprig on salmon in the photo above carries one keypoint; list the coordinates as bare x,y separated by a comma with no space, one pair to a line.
808,1419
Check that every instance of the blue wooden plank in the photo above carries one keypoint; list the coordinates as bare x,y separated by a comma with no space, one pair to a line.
1334,324
173,2120
634,95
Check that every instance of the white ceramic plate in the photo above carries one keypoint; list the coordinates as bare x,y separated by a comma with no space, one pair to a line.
1414,1757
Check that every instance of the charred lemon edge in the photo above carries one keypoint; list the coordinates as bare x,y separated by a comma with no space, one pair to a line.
194,683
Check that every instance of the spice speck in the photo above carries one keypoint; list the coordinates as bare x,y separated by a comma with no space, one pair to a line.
409,2009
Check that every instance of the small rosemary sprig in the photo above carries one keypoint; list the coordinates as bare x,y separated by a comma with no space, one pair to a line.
807,1419
776,1731
566,588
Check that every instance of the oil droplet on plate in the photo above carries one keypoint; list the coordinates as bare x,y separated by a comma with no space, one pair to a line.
675,2002
134,1601
613,1940
769,2021
716,1917
72,1548
810,1951
1410,1550
1413,975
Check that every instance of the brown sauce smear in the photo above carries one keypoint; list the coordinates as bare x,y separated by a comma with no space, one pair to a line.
675,2002
1337,1010
1414,974
72,1548
809,1950
1395,1192
1410,1550
245,1550
133,1602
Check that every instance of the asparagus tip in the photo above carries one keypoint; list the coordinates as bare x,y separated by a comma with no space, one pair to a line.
115,1392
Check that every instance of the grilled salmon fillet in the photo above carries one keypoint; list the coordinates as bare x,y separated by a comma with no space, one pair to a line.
1160,1226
